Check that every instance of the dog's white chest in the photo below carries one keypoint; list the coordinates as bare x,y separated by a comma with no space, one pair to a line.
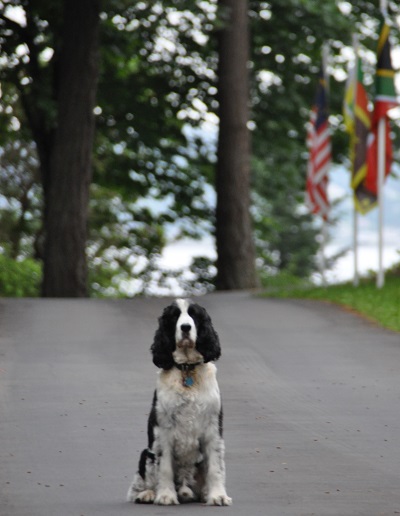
187,412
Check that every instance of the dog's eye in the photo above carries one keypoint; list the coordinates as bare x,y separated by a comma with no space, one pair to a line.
171,315
175,314
193,312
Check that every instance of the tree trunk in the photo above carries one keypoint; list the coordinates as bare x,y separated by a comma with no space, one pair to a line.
66,186
235,246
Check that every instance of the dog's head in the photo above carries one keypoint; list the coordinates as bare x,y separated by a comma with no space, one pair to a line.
185,335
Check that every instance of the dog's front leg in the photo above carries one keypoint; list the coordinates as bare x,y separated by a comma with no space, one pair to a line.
215,479
166,492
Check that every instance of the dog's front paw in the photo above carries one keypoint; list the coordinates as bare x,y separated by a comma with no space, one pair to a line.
166,497
219,498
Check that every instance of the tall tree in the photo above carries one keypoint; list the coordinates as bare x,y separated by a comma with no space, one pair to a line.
66,184
235,247
53,66
139,92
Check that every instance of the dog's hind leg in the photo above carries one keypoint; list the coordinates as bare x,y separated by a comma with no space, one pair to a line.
185,494
186,483
138,493
147,496
142,489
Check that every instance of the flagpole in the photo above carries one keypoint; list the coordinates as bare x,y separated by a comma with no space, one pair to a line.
380,278
319,163
323,246
355,213
325,60
356,280
383,8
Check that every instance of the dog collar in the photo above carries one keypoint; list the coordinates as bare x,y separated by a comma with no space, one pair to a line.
186,367
187,378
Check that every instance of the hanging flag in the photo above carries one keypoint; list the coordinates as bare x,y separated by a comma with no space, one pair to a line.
385,99
358,123
319,145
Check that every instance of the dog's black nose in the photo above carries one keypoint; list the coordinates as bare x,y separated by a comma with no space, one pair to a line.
185,328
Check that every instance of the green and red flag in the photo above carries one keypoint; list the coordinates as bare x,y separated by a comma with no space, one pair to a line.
357,119
385,99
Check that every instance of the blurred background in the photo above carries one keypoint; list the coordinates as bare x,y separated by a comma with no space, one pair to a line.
118,156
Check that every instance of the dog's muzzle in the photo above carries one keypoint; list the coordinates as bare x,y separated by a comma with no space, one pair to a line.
185,342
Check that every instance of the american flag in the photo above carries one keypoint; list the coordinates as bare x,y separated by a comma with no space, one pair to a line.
319,145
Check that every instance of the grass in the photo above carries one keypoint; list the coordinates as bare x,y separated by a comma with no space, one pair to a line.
379,305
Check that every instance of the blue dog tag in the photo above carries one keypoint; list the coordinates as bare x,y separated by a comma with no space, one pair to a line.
188,381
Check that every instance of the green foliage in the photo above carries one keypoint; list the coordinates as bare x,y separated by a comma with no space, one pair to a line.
20,199
157,70
202,276
157,86
142,151
123,244
286,236
380,305
19,278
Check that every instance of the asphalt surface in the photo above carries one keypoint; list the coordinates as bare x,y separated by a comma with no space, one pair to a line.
311,400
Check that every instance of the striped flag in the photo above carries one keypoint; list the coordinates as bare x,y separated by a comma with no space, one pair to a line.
358,123
319,145
385,99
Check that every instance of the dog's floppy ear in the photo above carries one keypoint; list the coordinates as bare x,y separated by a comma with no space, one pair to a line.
207,342
164,338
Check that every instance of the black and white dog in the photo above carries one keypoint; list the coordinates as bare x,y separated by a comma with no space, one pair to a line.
184,461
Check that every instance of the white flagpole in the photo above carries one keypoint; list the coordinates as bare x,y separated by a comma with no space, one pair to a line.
325,60
323,246
380,278
384,8
355,213
356,279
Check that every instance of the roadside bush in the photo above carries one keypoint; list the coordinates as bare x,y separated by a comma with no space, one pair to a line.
19,278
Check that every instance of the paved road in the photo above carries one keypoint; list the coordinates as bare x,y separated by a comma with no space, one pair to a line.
311,397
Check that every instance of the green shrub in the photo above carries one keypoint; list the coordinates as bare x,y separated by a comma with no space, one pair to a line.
19,278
